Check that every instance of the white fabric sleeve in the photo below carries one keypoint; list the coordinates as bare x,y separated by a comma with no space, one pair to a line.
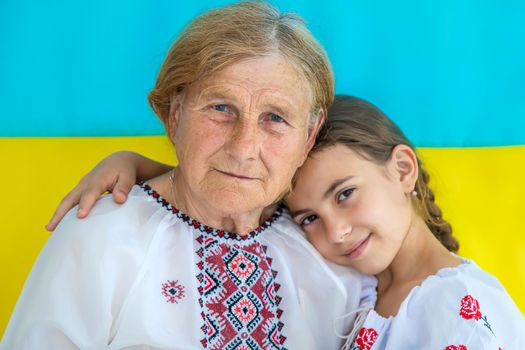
368,292
452,312
73,292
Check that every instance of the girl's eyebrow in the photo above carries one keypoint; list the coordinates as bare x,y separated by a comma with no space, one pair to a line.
335,184
330,189
294,214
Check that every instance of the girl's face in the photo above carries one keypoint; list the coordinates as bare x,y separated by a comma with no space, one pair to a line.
355,212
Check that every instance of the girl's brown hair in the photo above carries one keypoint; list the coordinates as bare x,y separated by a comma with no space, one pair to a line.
362,127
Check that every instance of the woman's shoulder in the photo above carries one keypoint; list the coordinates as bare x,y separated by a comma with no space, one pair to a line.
109,220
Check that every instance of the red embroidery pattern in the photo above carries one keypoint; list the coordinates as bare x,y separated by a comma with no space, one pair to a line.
366,338
470,310
454,347
173,291
207,229
238,293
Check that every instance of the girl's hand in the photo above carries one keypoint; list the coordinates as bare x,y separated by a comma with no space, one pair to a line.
116,174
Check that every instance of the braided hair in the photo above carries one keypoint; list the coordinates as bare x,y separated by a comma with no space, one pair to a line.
366,130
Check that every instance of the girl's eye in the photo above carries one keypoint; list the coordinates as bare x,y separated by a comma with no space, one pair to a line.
220,108
345,194
308,220
276,118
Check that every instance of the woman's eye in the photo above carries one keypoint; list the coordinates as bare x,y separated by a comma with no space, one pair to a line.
345,194
308,220
276,118
220,108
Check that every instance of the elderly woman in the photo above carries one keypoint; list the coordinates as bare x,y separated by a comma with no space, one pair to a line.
198,257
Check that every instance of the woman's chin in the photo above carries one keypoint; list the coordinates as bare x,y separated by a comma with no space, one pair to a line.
235,202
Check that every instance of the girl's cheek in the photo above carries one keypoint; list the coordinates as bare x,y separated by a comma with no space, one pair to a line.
320,242
309,237
312,238
367,212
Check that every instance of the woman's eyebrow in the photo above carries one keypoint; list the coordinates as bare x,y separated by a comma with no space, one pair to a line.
288,112
271,99
278,110
334,185
210,94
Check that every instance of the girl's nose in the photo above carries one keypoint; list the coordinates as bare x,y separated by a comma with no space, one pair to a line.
338,230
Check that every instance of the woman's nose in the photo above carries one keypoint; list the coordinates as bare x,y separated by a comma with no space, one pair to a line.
244,140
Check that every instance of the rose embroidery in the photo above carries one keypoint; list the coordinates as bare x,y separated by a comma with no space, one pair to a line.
366,338
454,347
470,310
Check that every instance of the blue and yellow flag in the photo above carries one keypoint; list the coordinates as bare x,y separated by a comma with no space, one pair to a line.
74,78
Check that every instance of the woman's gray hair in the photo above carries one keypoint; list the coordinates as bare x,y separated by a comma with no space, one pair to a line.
226,35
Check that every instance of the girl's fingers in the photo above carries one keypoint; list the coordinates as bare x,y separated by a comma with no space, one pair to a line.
87,200
123,186
68,202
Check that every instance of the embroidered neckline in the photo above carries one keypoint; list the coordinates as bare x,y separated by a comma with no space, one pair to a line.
208,229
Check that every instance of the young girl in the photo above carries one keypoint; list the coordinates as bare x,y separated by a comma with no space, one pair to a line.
363,200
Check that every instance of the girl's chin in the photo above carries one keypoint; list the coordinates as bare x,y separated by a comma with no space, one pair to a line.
364,266
373,269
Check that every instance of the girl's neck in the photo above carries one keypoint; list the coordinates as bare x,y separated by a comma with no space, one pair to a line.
172,188
420,256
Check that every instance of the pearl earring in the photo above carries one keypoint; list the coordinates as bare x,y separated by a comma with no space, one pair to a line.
413,193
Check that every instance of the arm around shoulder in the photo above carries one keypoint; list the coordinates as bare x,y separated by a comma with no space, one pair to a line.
117,173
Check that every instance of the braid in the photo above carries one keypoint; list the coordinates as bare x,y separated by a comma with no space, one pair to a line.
432,213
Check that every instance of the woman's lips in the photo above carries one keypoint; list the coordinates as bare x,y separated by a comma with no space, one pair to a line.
358,248
237,176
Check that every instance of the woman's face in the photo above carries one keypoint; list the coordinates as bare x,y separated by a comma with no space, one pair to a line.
355,212
241,134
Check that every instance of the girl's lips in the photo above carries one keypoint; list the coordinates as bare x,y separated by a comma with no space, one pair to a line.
358,248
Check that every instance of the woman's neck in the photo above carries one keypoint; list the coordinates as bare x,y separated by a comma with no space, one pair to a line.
420,256
172,188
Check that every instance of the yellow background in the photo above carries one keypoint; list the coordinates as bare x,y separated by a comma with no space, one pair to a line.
481,192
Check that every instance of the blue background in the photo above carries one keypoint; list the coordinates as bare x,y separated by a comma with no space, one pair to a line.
450,73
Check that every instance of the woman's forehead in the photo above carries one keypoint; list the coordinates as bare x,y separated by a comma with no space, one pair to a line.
268,79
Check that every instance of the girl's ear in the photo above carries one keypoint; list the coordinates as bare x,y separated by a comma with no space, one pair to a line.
404,163
313,131
173,117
